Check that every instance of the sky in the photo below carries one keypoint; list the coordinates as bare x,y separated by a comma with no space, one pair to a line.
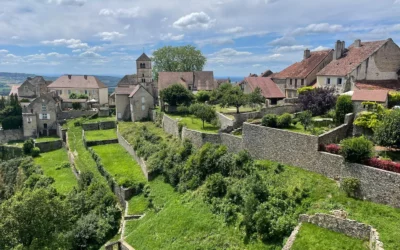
105,37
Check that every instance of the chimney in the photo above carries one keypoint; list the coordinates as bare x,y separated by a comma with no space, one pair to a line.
307,53
357,43
69,76
85,76
338,50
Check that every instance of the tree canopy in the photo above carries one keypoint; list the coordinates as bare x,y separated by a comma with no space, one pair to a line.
319,101
387,133
203,111
177,59
176,94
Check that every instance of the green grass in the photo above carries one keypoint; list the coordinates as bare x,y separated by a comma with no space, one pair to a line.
64,178
228,110
99,119
127,128
48,139
119,163
83,159
137,205
300,129
194,123
98,135
183,222
17,143
312,237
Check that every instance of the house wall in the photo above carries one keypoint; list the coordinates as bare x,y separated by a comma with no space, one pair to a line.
51,108
358,107
147,71
121,106
98,94
339,88
29,124
281,83
141,104
103,96
26,90
313,75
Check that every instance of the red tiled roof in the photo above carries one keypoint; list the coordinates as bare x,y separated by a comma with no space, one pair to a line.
370,95
305,67
78,82
353,57
203,80
381,84
269,89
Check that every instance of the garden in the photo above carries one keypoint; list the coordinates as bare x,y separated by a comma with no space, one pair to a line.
100,135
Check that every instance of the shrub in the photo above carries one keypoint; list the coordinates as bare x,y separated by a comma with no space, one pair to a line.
366,119
12,122
285,120
270,120
203,96
387,132
204,112
351,186
176,94
35,152
63,165
24,100
383,164
305,118
318,100
76,105
394,99
215,186
182,109
356,149
305,89
28,146
332,148
344,105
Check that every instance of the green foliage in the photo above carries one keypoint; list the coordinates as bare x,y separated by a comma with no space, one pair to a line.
304,89
83,96
367,119
24,100
231,96
76,105
344,105
394,99
35,152
177,59
284,120
256,97
305,118
351,186
73,96
28,146
203,96
183,109
215,186
270,120
357,149
12,122
204,112
387,132
176,94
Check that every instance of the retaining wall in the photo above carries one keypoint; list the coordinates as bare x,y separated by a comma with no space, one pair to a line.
233,143
49,146
170,126
90,126
198,139
225,121
9,152
11,135
107,125
74,114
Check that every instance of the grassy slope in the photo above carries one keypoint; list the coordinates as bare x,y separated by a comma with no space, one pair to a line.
100,119
137,205
64,178
48,138
312,237
191,122
98,135
119,163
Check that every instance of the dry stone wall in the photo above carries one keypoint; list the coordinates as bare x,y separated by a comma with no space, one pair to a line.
10,152
170,126
49,146
74,114
198,139
11,135
225,121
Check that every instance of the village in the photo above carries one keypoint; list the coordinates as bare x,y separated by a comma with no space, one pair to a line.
328,125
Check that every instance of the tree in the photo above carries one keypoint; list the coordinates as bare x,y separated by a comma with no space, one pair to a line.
12,122
76,105
83,96
28,146
234,96
217,94
203,111
344,105
387,133
203,96
256,97
318,101
73,96
176,94
305,118
177,59
2,103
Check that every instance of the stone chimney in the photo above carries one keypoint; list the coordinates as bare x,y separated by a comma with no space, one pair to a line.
85,76
69,76
307,53
339,50
357,43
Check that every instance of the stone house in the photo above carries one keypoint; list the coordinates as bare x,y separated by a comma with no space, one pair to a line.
269,88
33,87
194,81
302,73
374,63
88,85
40,116
133,103
360,96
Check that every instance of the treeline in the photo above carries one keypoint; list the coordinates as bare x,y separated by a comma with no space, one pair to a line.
34,216
10,112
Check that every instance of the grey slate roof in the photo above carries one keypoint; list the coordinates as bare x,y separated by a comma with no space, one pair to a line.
143,57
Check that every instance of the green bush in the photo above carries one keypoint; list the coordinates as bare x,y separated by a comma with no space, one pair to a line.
203,96
284,120
28,146
304,89
76,105
357,149
215,186
344,105
270,120
35,152
305,118
394,99
387,132
182,109
12,122
351,186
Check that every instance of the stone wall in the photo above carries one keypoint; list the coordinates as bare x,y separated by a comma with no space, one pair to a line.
225,121
243,117
233,143
107,125
198,139
339,133
10,152
99,125
74,114
62,132
11,135
120,245
90,126
49,146
170,126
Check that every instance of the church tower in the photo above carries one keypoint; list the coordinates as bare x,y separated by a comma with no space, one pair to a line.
144,71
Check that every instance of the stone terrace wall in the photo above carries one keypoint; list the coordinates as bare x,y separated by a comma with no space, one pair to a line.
90,126
74,114
99,125
278,110
49,146
243,117
198,138
10,152
233,143
107,125
225,121
170,126
11,135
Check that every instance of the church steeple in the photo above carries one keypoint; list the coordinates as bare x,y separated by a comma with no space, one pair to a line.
144,70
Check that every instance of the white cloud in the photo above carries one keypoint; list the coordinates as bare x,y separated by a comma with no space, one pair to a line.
70,43
68,2
58,55
319,48
110,36
233,30
318,28
214,41
164,19
121,13
283,41
126,27
290,48
76,51
195,20
230,52
3,51
15,37
171,37
90,54
96,48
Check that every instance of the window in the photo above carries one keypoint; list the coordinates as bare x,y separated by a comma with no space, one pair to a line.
302,82
142,65
29,120
339,81
44,107
119,115
291,82
69,92
295,83
142,75
143,100
45,116
143,107
86,92
328,80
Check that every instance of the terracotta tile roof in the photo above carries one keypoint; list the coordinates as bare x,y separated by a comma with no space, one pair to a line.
353,57
128,80
78,82
134,90
14,90
143,57
266,73
202,80
381,84
370,95
305,67
269,89
123,90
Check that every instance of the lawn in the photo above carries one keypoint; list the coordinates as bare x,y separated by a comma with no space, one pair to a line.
194,123
100,119
312,237
228,110
17,143
316,130
137,205
99,135
120,164
64,178
48,139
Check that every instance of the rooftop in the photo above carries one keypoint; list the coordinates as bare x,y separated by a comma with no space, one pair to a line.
143,57
202,80
269,89
128,80
370,95
379,85
81,82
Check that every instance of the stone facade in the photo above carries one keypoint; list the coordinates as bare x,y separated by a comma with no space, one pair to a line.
141,104
49,146
170,126
198,139
11,135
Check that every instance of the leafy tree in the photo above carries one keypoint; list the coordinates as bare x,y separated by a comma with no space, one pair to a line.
387,133
176,94
203,111
234,96
203,96
305,118
318,101
217,94
256,97
83,96
284,120
73,96
28,146
344,105
357,149
76,105
2,103
12,122
177,59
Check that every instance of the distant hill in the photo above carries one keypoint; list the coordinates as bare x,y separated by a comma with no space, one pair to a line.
9,79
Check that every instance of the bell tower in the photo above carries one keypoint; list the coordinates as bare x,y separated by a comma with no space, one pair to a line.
143,70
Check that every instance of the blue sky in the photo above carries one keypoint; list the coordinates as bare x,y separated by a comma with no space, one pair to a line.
105,37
